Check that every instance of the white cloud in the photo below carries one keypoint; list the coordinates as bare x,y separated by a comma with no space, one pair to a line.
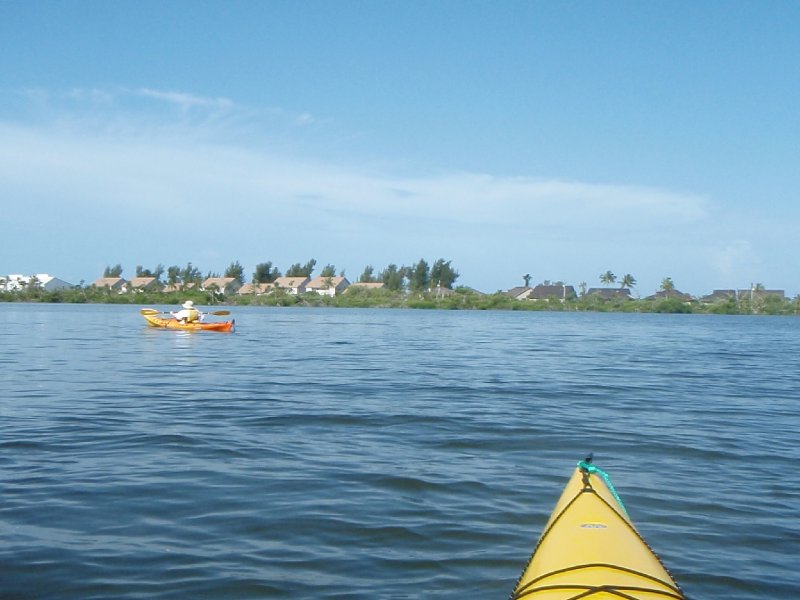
140,165
93,96
169,169
186,101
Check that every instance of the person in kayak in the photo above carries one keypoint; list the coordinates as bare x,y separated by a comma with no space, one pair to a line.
188,313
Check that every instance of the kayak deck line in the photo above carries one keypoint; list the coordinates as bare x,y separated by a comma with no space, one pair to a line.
587,590
589,525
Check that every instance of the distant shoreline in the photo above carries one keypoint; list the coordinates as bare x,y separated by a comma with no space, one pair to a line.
458,299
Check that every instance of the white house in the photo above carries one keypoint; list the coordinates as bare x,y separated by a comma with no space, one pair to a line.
257,289
116,284
328,286
221,285
293,285
144,284
44,281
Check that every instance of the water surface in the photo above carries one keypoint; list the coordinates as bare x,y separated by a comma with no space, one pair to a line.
334,453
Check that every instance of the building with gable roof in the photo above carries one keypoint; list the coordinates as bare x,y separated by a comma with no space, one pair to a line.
610,293
520,292
292,285
43,281
144,284
257,289
221,285
546,291
116,284
328,286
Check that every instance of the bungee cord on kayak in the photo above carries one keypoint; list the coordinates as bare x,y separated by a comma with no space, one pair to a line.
587,466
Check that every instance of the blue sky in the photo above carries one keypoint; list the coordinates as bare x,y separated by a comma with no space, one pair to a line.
559,139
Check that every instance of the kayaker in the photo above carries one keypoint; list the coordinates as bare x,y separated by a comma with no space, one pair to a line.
188,313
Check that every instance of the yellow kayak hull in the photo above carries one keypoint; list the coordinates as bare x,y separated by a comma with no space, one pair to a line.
591,550
170,323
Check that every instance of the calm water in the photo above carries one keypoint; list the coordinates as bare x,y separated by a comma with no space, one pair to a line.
324,453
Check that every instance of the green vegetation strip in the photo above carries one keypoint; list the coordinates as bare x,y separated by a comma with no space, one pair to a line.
459,299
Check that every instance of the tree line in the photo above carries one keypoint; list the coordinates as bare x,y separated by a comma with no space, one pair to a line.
419,285
416,277
455,299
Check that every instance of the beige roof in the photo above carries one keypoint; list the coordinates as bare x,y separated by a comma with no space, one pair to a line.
256,288
220,282
177,287
290,282
140,282
109,282
324,283
372,285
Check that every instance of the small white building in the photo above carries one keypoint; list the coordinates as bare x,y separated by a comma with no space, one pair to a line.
17,282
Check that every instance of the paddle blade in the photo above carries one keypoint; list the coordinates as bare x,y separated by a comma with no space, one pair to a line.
150,311
220,313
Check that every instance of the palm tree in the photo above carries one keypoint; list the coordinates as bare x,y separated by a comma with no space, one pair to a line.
527,279
608,278
628,281
173,275
667,284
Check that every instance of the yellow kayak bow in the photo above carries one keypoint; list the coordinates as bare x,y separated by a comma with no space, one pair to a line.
591,550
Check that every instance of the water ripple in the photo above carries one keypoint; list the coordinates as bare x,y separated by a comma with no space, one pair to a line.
391,454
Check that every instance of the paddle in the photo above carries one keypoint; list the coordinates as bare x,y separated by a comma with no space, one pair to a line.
153,311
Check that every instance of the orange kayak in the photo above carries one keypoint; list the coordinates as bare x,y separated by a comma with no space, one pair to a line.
171,323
